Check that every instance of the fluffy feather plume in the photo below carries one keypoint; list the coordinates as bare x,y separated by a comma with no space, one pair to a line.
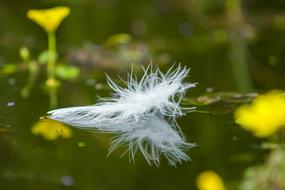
155,91
154,137
136,113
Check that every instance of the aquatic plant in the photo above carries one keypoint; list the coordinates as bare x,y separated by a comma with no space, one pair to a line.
142,114
33,69
117,51
265,115
269,175
209,180
25,54
49,20
51,129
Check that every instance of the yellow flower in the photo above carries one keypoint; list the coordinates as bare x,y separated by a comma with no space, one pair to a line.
51,129
49,19
265,115
209,180
51,82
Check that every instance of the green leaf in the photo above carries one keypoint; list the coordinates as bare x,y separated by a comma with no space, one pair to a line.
117,39
67,72
43,57
9,68
24,53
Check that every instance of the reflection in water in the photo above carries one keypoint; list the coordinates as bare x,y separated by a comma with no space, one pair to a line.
153,136
51,129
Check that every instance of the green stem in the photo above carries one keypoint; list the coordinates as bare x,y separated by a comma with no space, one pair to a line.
51,55
33,73
281,135
238,45
239,61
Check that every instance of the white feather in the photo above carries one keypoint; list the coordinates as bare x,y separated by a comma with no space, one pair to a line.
136,114
154,92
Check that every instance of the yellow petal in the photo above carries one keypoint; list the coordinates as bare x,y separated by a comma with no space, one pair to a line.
51,129
49,19
265,115
209,180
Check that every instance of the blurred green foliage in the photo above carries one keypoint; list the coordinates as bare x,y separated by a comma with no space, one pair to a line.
271,175
67,72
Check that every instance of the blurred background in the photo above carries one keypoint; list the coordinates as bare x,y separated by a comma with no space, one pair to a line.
230,45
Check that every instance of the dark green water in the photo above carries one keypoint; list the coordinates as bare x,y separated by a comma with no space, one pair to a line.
246,57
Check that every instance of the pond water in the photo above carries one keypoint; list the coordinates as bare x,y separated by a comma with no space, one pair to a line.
246,57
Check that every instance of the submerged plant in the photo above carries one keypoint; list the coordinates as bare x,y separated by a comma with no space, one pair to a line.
142,114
